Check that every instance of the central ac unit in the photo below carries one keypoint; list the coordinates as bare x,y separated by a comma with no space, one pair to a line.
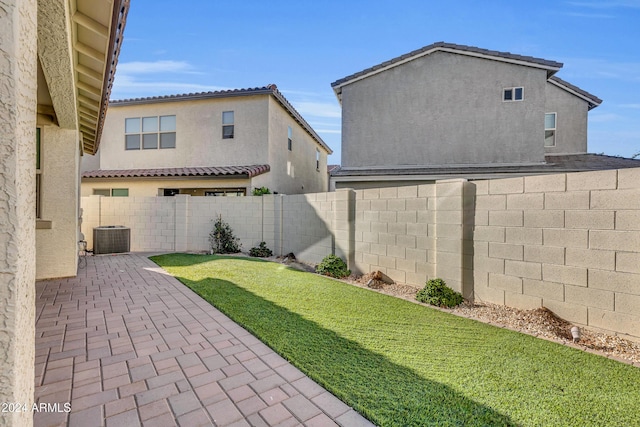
111,239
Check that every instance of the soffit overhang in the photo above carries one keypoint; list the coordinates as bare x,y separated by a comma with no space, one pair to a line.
78,46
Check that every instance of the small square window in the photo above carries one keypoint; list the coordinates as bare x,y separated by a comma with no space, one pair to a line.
167,123
132,142
513,94
517,94
227,132
168,140
149,124
150,141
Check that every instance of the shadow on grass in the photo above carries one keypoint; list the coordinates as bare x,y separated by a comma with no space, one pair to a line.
386,393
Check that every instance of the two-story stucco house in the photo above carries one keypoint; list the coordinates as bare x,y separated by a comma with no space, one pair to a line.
453,111
207,144
58,59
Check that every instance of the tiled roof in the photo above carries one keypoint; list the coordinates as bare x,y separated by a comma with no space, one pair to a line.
248,171
553,164
593,100
552,66
271,89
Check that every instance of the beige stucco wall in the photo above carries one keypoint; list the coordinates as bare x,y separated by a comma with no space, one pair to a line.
18,39
260,138
56,247
152,187
198,134
306,178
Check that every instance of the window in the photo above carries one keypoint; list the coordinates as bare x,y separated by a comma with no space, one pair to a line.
228,192
149,131
317,160
513,94
289,136
111,192
38,175
550,129
102,192
227,125
119,192
170,192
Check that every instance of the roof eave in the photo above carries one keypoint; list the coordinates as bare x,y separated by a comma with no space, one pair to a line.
340,83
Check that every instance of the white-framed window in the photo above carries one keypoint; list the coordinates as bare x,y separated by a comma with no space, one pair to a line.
317,160
513,94
38,175
289,138
550,120
228,125
149,133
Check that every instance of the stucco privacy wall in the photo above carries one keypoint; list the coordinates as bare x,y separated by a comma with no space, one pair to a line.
18,39
569,242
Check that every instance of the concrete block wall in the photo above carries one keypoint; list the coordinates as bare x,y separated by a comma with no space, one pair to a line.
568,242
306,223
395,232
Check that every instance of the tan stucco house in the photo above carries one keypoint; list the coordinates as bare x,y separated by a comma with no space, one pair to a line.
455,111
222,143
57,68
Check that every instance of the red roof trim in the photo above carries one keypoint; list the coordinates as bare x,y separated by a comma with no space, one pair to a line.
249,171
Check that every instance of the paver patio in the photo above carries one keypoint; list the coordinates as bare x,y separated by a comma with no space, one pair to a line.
126,345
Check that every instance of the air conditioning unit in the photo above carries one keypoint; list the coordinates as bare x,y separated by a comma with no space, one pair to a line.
111,239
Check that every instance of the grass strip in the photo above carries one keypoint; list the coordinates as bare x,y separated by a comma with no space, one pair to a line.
403,364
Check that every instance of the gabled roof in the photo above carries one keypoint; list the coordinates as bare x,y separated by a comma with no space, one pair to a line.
271,89
530,61
216,171
593,100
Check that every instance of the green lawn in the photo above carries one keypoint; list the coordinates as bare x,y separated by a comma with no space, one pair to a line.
403,364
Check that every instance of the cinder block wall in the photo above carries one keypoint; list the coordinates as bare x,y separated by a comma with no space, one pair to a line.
395,232
568,242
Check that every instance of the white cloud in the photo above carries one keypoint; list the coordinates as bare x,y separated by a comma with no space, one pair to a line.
604,117
590,15
632,106
329,131
155,67
128,87
318,109
591,67
634,4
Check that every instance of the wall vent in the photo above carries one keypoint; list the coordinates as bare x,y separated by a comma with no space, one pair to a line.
111,239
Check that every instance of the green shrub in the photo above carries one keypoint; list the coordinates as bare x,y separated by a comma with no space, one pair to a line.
260,191
333,266
222,239
436,292
261,251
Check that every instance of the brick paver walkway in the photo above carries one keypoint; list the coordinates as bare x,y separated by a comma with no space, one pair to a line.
126,345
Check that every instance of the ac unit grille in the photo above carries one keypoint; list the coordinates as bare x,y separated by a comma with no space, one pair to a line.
111,239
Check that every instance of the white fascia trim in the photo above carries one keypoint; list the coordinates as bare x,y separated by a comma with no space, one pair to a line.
573,92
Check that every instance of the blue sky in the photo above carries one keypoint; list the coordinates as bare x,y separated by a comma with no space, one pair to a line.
303,46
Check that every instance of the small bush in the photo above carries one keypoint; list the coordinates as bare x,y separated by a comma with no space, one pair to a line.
222,238
260,191
261,251
333,266
436,292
